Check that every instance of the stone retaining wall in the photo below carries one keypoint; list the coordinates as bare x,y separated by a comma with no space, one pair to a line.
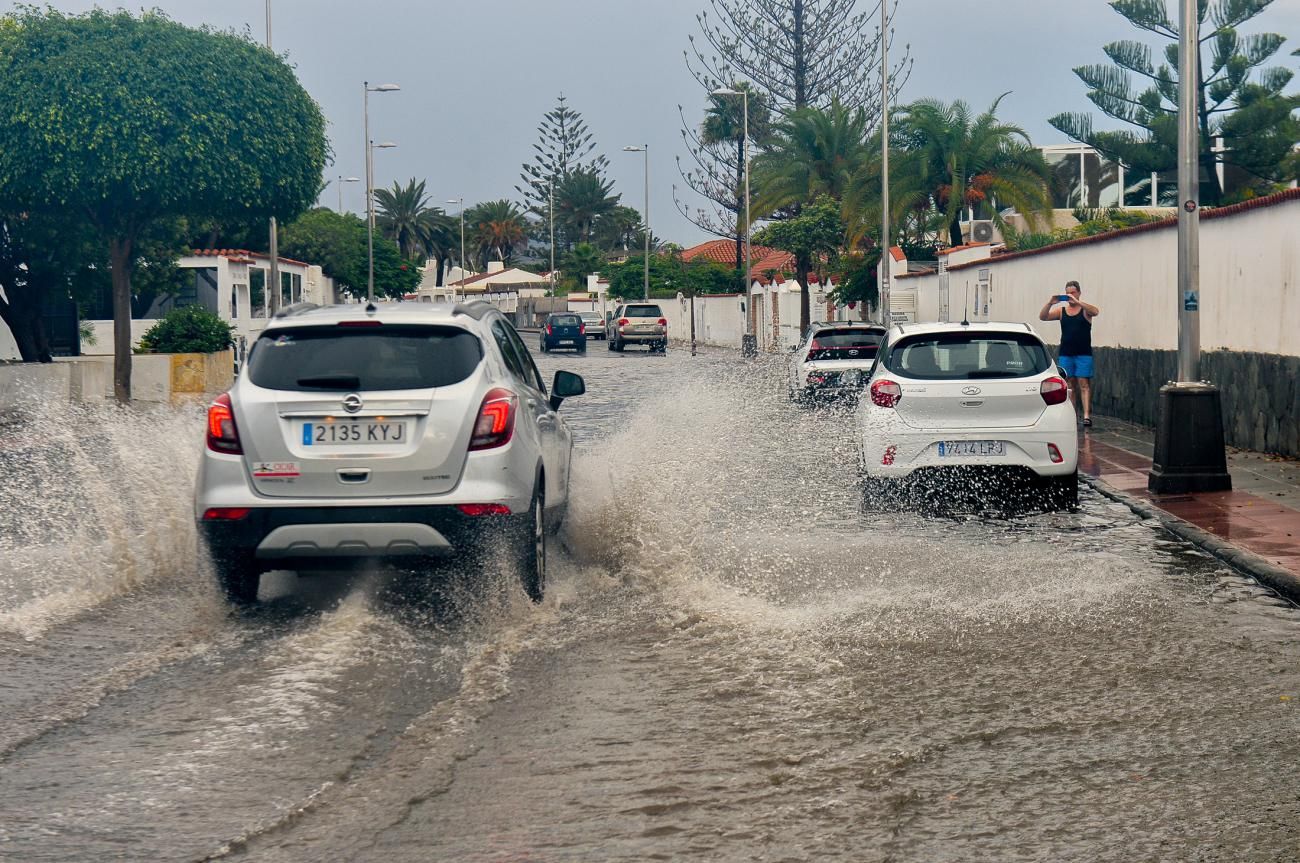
1260,392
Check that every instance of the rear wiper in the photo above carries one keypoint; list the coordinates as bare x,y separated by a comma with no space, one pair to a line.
331,382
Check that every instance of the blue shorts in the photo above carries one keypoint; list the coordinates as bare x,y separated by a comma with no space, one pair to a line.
1076,367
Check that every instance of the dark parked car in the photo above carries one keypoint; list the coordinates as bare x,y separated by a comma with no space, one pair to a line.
564,329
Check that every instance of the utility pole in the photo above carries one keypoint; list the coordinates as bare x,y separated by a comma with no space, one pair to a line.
1189,448
273,274
886,258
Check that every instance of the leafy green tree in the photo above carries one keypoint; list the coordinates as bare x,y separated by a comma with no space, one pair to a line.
951,160
670,276
185,330
496,229
337,243
813,153
1255,118
581,261
620,229
815,235
582,198
132,119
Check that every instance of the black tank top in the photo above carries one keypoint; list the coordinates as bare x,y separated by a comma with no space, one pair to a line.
1076,335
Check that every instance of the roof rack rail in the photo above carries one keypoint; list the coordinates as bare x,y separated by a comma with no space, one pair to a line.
295,309
475,309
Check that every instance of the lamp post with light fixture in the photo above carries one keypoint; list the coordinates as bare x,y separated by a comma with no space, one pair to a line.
744,149
460,203
645,148
370,181
342,180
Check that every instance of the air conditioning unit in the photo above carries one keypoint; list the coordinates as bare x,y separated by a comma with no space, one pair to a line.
981,231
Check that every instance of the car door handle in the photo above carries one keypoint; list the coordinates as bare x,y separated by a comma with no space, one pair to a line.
354,475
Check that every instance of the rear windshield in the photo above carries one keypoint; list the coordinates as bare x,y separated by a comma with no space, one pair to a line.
386,357
968,356
565,320
848,338
642,312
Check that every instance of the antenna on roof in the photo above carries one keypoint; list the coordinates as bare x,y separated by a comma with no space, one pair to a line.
965,320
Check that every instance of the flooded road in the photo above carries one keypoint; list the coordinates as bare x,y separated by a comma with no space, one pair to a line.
733,662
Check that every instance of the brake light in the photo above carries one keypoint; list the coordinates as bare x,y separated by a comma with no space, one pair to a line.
582,328
888,456
622,322
548,329
663,322
886,394
223,435
1054,454
366,323
496,420
480,509
225,513
1054,391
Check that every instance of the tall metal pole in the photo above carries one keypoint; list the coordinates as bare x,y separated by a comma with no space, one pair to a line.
645,289
744,149
1189,193
340,193
370,181
273,274
552,214
886,256
462,248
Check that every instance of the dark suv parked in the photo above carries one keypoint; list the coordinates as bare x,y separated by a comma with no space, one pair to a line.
564,328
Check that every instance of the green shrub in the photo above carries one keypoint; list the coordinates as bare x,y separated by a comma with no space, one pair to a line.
188,330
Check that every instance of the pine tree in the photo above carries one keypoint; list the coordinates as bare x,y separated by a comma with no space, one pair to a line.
1255,118
563,146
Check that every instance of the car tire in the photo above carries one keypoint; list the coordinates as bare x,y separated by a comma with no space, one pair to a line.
609,346
542,345
532,546
582,348
618,345
238,577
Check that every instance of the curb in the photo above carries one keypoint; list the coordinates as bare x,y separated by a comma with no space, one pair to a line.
1281,581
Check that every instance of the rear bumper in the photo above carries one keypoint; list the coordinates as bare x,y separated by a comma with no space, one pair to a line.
557,341
305,536
642,338
914,451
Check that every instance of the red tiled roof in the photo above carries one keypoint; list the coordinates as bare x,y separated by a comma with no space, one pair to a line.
897,254
761,258
241,256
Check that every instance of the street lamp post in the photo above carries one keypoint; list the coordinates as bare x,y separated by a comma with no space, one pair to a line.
645,148
342,180
370,182
749,345
460,203
1189,447
886,256
552,235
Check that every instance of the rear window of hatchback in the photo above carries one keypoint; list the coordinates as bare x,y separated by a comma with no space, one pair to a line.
968,356
384,357
565,320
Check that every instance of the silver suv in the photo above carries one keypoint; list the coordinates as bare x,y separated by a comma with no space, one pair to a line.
362,433
638,324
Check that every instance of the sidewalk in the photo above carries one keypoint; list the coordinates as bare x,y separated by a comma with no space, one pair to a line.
1259,516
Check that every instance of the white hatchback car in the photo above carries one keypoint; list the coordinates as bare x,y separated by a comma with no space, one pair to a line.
959,409
832,360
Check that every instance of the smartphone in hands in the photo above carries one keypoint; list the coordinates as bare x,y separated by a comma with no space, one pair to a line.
1064,298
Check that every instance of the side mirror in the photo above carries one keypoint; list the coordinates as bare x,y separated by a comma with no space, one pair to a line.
566,385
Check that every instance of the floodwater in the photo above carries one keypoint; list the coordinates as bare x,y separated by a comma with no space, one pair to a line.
733,662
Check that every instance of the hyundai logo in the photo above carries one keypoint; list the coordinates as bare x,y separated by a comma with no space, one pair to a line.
352,403
970,391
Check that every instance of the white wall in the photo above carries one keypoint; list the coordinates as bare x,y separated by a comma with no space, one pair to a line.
1249,282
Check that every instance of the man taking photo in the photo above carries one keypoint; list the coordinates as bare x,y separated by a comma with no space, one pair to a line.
1075,357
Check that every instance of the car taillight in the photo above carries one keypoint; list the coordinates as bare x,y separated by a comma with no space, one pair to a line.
622,322
1054,391
223,435
496,420
481,509
663,322
1054,454
886,394
225,513
888,456
582,328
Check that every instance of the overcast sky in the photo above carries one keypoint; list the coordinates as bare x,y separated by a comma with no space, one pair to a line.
477,75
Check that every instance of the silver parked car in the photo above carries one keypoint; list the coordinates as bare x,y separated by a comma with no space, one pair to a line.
638,324
395,432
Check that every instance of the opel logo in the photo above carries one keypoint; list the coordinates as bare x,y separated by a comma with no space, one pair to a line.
352,403
970,391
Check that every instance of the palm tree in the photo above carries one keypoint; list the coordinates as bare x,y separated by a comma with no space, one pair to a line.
813,153
582,198
951,160
497,227
401,216
620,228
